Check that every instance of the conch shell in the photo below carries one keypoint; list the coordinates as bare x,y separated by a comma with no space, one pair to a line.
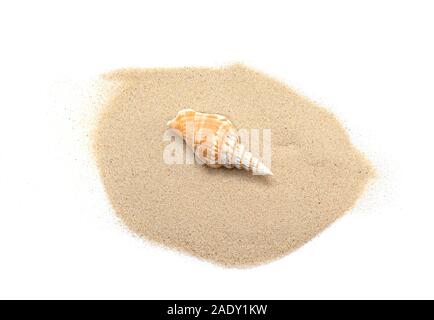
215,141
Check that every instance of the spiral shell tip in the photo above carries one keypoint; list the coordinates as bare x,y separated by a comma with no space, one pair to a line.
263,171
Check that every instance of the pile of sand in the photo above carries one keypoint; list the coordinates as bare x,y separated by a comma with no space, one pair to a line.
226,216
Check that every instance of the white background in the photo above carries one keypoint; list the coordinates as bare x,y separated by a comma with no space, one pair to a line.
369,62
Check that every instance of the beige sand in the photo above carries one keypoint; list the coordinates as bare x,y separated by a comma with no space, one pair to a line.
226,216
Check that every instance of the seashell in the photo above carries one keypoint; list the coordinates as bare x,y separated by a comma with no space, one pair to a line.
215,141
